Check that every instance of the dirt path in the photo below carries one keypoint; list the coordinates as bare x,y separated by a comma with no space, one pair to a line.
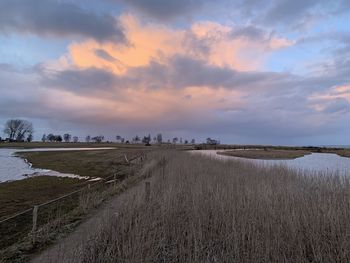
61,251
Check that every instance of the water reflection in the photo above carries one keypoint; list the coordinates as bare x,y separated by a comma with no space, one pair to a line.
315,162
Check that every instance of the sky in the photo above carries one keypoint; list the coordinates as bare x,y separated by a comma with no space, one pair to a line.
241,71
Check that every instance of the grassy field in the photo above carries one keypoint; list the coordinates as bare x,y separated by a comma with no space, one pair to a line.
268,154
342,152
204,210
18,196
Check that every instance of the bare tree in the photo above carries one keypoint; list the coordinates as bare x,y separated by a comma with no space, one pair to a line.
193,141
88,138
175,140
159,138
136,139
54,138
212,141
146,139
67,137
98,139
75,139
18,129
30,137
50,137
44,139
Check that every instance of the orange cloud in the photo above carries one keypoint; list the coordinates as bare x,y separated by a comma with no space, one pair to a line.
210,41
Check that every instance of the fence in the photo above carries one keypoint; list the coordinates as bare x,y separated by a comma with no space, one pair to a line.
46,218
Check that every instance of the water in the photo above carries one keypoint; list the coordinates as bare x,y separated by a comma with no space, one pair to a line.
15,168
315,162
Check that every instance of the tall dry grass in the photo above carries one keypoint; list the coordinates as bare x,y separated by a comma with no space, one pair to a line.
204,210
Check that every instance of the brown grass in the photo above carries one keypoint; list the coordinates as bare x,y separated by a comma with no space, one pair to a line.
205,210
342,152
268,154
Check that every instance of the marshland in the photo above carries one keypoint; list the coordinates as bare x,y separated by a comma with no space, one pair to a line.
200,207
206,210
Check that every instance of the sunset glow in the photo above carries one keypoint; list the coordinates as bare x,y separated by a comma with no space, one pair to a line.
250,75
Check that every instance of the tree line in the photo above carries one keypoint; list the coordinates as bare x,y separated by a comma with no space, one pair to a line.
18,130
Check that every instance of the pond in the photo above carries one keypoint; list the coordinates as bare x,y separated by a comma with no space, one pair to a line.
315,162
16,168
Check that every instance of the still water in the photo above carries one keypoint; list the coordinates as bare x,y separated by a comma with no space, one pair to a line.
315,162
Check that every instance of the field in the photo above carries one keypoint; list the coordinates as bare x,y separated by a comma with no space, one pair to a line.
341,152
201,210
268,154
204,210
18,196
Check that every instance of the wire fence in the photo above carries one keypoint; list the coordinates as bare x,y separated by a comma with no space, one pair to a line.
46,218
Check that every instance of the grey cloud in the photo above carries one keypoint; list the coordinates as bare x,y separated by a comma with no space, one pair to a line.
298,13
108,57
90,81
294,14
105,55
6,67
182,72
179,72
338,106
250,32
165,10
287,11
54,18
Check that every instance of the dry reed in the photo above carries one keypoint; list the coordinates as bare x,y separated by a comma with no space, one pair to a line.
205,210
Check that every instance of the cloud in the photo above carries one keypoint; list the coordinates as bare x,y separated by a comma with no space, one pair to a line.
179,94
177,72
218,44
165,10
299,14
208,77
338,105
90,81
57,19
289,11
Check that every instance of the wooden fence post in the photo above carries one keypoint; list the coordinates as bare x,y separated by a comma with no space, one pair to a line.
35,220
147,191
